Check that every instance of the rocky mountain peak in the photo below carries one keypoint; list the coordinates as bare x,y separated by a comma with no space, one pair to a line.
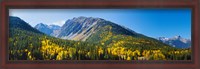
40,25
176,41
177,37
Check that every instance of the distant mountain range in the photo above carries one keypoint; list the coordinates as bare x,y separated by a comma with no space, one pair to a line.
176,41
48,29
81,28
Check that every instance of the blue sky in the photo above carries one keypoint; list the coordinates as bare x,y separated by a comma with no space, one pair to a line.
168,22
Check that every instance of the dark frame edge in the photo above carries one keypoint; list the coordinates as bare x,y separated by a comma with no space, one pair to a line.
3,62
195,66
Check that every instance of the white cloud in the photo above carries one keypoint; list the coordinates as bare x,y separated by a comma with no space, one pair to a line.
59,23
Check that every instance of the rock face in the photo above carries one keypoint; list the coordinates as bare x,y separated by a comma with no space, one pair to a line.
176,41
78,28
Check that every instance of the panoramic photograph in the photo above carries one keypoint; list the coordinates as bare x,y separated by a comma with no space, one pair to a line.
100,34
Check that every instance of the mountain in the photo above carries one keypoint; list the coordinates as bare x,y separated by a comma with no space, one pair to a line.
176,41
95,30
17,23
54,27
80,28
43,28
98,30
91,29
47,29
23,37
